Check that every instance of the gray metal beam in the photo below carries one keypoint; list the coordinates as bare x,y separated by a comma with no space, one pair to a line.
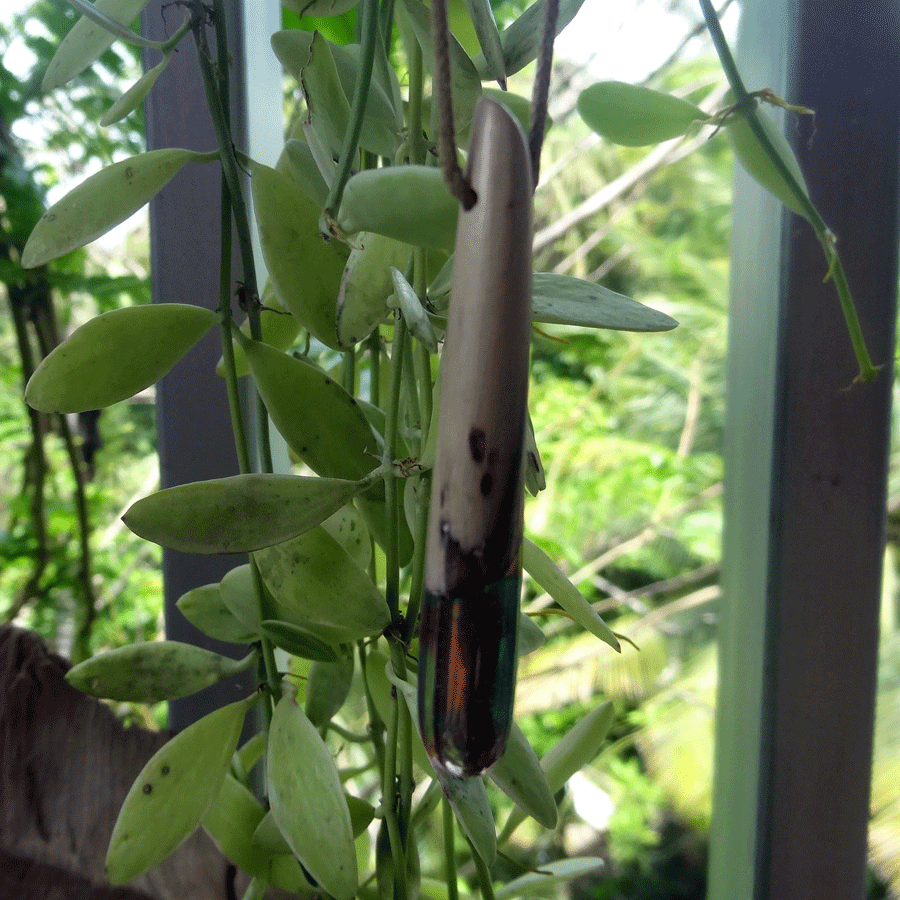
195,440
805,526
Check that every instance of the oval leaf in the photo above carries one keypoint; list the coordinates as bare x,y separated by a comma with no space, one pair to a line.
327,687
204,609
314,578
297,641
153,671
557,872
416,318
756,161
87,42
564,300
407,203
172,792
115,355
320,421
521,39
551,578
635,116
576,748
305,271
236,514
308,801
103,201
519,775
134,96
366,286
231,821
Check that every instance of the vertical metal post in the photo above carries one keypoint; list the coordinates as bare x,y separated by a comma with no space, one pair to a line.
816,578
831,458
195,438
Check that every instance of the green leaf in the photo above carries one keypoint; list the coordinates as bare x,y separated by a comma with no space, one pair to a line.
315,579
319,8
172,792
407,203
305,271
134,96
634,116
488,38
327,687
115,355
366,285
103,201
236,514
231,822
327,75
521,39
551,578
557,872
153,671
564,300
308,801
756,161
519,775
416,318
204,609
320,421
87,42
298,641
465,80
575,749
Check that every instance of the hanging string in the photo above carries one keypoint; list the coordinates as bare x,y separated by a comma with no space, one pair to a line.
453,174
443,91
541,90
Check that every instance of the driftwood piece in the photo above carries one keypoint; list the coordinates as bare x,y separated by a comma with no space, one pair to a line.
66,763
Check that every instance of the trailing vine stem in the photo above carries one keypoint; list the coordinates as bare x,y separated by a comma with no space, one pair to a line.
745,102
370,33
216,85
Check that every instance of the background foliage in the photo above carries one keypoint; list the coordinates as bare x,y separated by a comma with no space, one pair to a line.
629,427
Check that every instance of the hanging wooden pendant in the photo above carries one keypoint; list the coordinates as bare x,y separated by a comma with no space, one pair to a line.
467,660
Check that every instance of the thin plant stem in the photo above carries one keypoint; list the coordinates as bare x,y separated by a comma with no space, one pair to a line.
369,19
451,874
483,874
747,105
390,807
392,424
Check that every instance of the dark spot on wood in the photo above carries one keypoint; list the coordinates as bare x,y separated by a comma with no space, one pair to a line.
836,480
148,788
486,484
477,444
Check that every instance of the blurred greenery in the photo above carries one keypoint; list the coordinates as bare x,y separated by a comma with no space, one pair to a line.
629,427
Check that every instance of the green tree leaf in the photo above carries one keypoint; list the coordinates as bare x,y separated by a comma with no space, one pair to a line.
103,201
87,42
114,355
634,116
172,792
308,801
236,514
